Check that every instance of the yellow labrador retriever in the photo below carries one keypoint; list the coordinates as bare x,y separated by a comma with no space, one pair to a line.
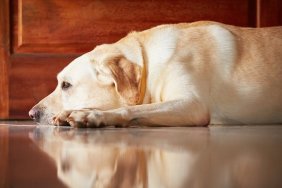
172,75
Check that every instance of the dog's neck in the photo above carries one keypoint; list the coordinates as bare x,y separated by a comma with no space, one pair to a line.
143,81
142,87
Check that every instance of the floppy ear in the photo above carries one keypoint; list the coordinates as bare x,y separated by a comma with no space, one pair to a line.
127,79
120,63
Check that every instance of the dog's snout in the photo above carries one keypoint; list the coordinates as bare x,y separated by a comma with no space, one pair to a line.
34,114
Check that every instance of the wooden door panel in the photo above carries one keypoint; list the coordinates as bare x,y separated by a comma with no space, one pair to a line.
4,58
32,78
39,37
58,29
270,13
63,26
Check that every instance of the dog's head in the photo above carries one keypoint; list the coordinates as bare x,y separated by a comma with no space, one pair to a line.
106,78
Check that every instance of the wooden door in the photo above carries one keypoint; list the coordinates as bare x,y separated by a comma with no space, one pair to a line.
39,37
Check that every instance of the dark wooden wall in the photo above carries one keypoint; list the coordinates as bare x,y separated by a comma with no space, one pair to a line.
39,37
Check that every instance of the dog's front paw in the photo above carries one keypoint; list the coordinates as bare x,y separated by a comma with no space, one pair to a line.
61,119
87,118
90,118
81,118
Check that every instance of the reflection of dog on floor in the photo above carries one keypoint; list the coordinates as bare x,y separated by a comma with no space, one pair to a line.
185,74
99,160
173,159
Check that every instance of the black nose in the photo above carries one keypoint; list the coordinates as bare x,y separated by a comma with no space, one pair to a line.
34,114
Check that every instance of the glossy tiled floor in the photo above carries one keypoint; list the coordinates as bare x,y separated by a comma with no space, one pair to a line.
47,156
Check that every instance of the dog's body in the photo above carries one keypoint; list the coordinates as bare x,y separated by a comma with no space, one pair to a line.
173,75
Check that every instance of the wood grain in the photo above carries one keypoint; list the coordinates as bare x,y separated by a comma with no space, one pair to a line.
47,35
33,77
270,13
62,26
4,56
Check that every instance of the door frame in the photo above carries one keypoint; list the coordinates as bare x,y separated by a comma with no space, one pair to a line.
4,58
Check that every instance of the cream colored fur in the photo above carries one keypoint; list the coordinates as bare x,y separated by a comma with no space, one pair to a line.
195,74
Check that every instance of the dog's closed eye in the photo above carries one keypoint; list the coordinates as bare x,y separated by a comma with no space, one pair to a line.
65,85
